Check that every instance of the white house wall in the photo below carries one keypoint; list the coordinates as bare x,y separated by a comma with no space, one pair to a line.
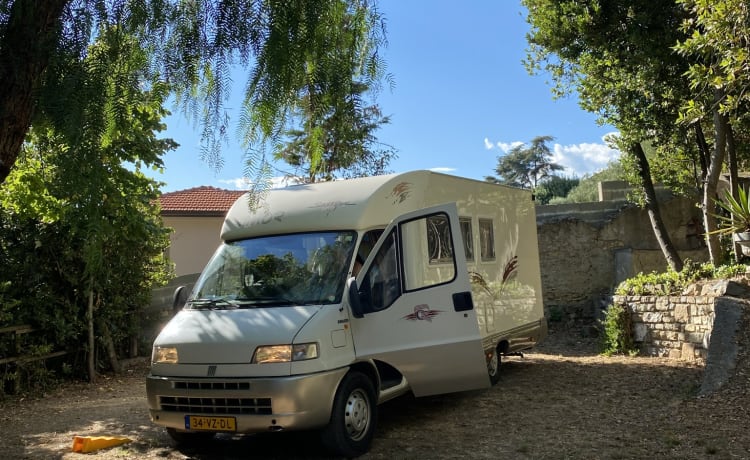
192,242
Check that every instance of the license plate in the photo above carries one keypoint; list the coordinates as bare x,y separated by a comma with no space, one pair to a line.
199,422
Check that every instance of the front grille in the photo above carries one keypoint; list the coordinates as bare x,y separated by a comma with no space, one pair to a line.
199,385
233,406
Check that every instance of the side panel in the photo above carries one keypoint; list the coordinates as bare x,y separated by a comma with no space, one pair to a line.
423,323
504,269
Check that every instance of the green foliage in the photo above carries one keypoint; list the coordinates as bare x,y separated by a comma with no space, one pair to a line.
78,215
587,189
737,219
555,187
332,55
336,138
618,335
190,50
672,282
526,166
717,35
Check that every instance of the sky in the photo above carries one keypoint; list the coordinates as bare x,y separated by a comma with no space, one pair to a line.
461,98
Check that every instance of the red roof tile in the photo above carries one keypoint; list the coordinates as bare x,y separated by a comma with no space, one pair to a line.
198,201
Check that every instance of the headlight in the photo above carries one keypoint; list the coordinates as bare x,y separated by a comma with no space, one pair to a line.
285,353
164,355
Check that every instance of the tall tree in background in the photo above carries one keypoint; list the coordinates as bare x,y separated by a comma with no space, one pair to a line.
343,135
555,187
192,47
526,166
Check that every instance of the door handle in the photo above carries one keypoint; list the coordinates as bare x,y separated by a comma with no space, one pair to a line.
462,301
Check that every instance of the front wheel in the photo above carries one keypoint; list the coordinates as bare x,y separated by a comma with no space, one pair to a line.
352,425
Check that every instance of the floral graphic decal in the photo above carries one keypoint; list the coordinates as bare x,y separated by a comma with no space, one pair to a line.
510,270
422,313
401,192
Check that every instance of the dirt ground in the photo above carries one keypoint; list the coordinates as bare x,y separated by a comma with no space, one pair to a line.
562,401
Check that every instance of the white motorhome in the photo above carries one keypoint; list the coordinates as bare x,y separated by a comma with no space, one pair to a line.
327,299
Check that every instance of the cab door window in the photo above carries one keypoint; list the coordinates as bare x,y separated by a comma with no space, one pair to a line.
382,282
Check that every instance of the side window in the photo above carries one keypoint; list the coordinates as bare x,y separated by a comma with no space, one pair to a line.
486,240
430,264
467,236
439,243
382,281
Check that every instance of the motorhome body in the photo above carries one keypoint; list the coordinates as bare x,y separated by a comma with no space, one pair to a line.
326,299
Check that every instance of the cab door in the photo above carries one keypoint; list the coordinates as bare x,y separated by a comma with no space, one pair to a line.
417,311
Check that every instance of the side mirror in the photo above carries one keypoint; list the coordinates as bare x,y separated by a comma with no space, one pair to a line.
352,293
179,297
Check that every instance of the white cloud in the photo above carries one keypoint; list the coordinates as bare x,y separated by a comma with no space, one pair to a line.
507,146
584,158
577,159
239,183
243,183
504,146
442,169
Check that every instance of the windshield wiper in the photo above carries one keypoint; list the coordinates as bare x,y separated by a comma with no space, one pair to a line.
210,304
261,302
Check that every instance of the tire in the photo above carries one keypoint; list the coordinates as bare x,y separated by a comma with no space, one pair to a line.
350,431
189,438
493,367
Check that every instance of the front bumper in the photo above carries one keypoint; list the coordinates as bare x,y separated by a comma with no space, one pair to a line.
258,404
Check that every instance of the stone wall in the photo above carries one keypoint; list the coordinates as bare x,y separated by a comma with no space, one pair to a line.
676,327
586,249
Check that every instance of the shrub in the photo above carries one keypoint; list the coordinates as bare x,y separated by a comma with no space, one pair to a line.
672,282
618,336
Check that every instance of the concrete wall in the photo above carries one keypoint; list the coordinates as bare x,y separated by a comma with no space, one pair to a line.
586,249
193,242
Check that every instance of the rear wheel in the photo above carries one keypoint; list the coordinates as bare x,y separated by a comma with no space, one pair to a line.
493,367
189,438
352,426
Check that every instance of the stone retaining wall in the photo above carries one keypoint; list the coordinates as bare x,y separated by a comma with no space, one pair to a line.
680,327
676,327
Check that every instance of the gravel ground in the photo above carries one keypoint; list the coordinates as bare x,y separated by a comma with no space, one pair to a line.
562,401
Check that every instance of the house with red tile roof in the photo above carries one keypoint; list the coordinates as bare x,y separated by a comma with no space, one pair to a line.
196,215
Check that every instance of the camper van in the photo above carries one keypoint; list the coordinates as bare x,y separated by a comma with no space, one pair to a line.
325,300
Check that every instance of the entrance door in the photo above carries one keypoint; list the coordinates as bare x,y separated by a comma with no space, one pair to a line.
418,311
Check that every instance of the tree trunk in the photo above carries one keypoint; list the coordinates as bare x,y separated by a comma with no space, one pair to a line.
712,179
109,345
652,207
734,182
703,150
90,362
26,44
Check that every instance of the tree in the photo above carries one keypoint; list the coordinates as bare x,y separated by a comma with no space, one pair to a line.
525,166
344,136
716,43
92,208
618,57
587,189
555,187
190,47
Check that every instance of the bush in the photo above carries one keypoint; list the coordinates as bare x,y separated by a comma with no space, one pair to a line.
672,282
618,334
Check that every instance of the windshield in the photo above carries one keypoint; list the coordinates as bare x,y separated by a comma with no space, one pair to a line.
296,269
